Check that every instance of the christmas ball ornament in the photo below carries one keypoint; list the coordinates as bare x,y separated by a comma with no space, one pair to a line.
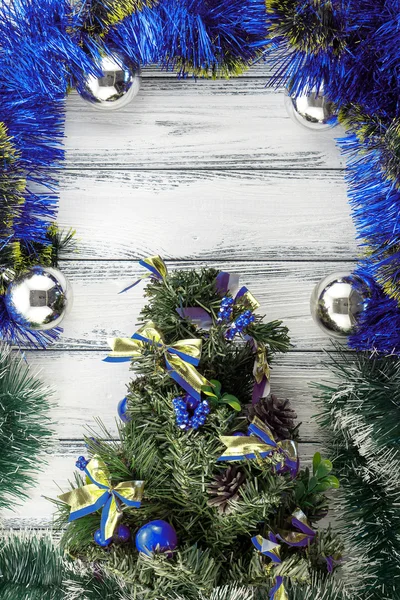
117,86
337,303
98,538
122,534
123,410
39,298
156,537
312,110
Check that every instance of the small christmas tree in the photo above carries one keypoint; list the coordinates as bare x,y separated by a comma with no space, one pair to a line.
203,488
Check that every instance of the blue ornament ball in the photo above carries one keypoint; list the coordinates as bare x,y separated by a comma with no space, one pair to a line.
122,534
98,538
123,410
239,434
156,536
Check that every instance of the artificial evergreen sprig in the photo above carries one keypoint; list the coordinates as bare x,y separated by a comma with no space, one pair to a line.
180,465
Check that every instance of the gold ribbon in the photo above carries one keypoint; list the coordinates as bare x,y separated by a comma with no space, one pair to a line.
260,441
100,494
244,298
261,366
281,593
180,357
156,267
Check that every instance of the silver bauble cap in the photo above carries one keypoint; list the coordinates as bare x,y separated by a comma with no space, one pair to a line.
337,302
39,298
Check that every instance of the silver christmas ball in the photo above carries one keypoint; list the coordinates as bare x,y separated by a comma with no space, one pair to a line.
39,298
116,88
337,302
311,110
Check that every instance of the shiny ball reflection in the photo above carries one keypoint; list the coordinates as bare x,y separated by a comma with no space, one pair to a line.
118,85
313,111
337,303
39,298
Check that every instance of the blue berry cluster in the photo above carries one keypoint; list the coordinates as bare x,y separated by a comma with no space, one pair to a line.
240,324
81,463
190,413
225,309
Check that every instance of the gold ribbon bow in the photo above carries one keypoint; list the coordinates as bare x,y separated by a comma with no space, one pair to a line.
100,494
180,358
260,442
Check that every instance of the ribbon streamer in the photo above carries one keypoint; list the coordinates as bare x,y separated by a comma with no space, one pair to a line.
278,592
261,373
260,442
181,358
271,548
101,494
156,266
294,538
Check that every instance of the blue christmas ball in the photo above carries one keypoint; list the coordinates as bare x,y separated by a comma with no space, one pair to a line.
122,534
239,434
156,536
100,541
123,410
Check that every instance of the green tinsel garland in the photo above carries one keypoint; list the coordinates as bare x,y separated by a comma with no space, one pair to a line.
361,415
24,426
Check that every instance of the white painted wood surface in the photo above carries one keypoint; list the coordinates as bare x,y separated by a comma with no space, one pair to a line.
201,172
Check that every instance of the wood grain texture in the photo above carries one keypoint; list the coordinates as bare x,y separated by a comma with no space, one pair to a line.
99,311
205,173
183,124
260,215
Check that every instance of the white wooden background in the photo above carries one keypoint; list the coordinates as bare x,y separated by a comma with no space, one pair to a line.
202,173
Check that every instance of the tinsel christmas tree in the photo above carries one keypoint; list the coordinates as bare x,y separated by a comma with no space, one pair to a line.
243,511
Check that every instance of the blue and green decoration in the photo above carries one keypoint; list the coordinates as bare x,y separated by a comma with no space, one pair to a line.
100,494
52,46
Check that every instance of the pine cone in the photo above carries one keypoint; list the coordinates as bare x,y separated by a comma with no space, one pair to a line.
224,488
276,414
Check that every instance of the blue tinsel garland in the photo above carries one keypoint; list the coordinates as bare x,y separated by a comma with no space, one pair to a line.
348,47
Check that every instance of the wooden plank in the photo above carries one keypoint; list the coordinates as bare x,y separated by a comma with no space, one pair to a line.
292,215
37,511
203,124
87,388
99,311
